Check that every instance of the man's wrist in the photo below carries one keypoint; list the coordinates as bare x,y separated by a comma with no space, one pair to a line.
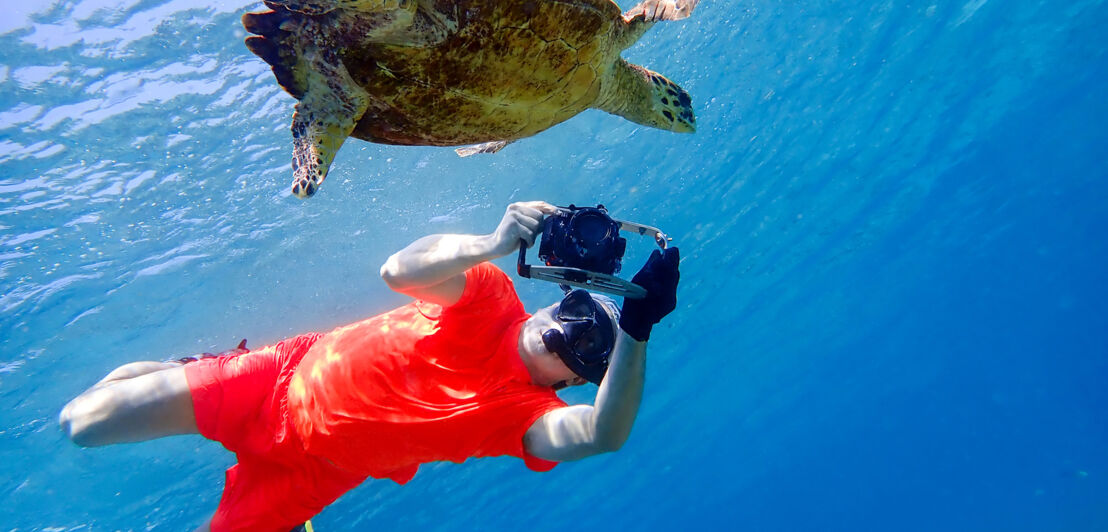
631,338
635,328
487,247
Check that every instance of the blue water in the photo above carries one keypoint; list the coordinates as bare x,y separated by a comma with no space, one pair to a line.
893,218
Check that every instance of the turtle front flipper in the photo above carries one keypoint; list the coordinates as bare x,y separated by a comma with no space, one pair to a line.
332,104
323,120
637,94
656,10
307,64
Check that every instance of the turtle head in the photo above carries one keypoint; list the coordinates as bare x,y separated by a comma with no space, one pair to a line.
646,97
672,106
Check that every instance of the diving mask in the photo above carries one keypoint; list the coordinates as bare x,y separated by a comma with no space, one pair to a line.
586,337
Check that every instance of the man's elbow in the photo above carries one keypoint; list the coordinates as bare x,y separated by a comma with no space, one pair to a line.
610,443
390,273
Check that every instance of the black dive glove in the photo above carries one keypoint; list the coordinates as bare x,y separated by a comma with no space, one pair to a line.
659,277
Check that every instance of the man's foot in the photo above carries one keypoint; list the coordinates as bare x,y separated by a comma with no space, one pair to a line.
239,349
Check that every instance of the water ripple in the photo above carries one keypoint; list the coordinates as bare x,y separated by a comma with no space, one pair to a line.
26,237
168,265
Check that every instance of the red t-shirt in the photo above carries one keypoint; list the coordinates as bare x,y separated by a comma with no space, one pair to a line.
422,383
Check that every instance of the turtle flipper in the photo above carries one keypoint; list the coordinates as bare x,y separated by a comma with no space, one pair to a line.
487,147
656,10
308,66
642,17
324,117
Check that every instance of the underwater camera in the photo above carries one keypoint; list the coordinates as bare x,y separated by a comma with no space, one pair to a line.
581,247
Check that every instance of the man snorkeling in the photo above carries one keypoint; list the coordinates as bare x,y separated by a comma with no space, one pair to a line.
461,372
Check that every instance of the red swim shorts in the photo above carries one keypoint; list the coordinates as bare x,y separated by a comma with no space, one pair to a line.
240,402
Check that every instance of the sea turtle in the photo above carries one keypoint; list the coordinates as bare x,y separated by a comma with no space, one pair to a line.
456,72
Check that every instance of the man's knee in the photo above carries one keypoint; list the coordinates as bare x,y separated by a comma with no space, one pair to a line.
85,418
150,405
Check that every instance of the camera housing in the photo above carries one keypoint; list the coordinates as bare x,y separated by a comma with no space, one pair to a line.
583,237
581,247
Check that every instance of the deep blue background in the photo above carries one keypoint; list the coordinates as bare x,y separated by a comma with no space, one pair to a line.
893,307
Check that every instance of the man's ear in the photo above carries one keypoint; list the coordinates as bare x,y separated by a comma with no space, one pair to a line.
577,381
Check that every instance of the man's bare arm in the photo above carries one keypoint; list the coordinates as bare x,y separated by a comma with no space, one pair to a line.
433,267
576,432
580,431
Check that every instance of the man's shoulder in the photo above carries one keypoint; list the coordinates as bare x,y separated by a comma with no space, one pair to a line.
487,284
488,269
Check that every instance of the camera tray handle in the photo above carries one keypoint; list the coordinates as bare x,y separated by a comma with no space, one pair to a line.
577,277
660,238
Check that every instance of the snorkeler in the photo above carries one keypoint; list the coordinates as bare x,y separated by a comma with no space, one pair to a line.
461,372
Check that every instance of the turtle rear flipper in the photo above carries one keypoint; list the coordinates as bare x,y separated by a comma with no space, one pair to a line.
656,10
642,17
282,35
311,70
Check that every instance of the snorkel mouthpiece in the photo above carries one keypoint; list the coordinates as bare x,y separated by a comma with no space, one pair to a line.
555,341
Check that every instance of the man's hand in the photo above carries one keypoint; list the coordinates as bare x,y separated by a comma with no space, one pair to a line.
522,221
433,267
659,277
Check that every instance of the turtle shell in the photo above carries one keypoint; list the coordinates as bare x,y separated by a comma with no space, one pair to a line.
507,70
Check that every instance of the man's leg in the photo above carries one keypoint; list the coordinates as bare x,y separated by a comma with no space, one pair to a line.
135,402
